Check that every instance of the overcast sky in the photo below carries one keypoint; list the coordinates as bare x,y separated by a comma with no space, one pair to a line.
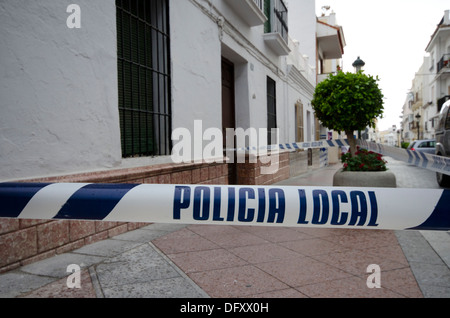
391,37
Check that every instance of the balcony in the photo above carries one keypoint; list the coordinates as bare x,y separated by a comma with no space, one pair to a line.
417,105
324,76
251,11
330,40
276,27
444,63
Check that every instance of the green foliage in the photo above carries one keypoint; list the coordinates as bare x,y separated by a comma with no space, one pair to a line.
348,101
405,145
363,161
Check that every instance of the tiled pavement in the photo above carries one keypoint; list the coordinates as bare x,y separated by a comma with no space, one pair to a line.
231,262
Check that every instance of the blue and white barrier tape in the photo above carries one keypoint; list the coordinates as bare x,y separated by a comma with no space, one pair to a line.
296,206
423,160
294,146
417,158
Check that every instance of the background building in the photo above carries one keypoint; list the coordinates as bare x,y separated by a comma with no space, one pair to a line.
430,87
439,62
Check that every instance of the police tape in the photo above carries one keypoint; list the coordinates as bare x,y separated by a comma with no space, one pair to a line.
420,159
294,146
285,206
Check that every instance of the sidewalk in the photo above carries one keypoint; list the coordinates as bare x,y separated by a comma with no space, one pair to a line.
172,261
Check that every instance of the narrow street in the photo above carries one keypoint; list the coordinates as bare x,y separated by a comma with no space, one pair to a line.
428,252
410,176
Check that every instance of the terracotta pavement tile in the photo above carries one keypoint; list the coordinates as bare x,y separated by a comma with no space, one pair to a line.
284,293
236,239
353,287
392,252
183,241
236,282
212,230
317,232
401,281
59,289
206,260
263,253
356,262
383,237
363,239
302,271
276,234
315,246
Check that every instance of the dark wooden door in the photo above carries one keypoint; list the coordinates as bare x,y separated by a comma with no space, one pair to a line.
228,110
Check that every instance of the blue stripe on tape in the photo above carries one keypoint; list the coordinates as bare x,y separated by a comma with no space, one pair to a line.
93,202
440,218
425,160
410,156
417,163
14,197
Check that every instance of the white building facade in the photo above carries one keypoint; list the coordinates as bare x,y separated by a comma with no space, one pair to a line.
439,63
108,95
430,87
437,90
94,93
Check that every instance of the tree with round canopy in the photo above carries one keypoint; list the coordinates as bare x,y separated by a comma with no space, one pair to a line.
348,102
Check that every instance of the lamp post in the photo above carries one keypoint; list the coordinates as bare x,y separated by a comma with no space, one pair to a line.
358,64
418,125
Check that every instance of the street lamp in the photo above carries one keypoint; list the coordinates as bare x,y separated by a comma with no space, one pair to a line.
358,64
418,125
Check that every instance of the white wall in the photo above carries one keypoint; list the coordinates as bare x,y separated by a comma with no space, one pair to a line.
199,46
59,105
58,88
302,26
196,67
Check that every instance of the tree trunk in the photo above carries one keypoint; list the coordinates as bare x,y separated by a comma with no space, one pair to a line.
351,142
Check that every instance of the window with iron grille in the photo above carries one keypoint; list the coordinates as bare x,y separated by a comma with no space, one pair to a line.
144,77
271,109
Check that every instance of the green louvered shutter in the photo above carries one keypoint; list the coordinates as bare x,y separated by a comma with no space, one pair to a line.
143,77
267,12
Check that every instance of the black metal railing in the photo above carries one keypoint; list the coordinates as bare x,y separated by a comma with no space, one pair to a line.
444,62
277,15
143,51
281,21
260,4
